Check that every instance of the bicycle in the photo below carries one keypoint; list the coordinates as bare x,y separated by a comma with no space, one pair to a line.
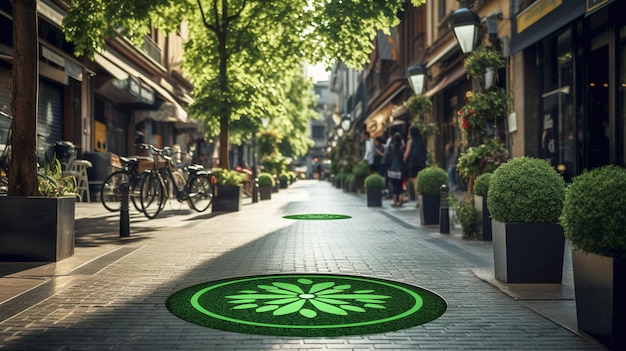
110,193
159,184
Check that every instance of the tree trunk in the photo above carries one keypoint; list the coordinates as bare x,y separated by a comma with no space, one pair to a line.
24,79
224,89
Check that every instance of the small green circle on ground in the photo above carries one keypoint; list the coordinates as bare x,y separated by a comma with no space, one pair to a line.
317,216
306,305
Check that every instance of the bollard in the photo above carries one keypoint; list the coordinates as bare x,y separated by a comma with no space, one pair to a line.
444,213
124,216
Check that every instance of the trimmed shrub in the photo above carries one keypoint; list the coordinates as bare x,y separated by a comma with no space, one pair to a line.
481,186
228,177
526,190
593,214
430,180
265,179
374,180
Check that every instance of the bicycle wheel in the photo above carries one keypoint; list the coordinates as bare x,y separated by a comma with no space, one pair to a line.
200,192
151,195
110,194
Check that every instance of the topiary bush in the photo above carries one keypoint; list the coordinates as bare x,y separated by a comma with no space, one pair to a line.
593,214
526,190
430,180
265,179
228,177
481,185
374,180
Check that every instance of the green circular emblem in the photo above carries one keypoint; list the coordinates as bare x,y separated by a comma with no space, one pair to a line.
306,305
317,216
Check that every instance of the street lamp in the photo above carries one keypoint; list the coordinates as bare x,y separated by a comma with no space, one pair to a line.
417,78
464,23
265,121
346,122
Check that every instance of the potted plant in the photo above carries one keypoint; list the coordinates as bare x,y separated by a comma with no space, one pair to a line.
349,183
266,183
483,220
593,222
429,182
283,179
525,199
481,159
361,170
49,234
466,215
229,190
374,185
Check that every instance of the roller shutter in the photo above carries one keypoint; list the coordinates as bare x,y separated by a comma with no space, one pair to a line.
50,116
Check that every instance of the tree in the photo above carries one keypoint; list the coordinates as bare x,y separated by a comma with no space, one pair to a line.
226,31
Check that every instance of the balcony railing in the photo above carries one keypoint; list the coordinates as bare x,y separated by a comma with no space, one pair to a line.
151,49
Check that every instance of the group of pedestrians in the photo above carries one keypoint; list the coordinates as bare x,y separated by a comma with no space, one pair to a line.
399,160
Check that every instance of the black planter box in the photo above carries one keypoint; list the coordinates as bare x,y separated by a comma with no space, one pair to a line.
528,252
36,228
229,198
429,209
600,285
265,192
375,197
483,222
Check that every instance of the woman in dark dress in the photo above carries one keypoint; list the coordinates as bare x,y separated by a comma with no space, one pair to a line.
395,169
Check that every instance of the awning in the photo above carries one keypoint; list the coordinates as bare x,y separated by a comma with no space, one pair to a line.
376,122
165,113
122,68
452,76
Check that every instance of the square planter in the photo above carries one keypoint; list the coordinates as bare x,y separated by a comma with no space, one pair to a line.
37,228
483,219
429,209
265,192
229,198
375,197
600,286
528,252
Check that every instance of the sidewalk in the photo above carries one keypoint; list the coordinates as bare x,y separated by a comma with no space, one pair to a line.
111,294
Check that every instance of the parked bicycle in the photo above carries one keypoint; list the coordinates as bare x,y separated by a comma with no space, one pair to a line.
5,146
110,192
161,184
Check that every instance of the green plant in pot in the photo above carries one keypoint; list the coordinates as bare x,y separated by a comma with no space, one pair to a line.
374,185
482,217
525,199
283,178
594,223
361,170
428,186
266,183
229,196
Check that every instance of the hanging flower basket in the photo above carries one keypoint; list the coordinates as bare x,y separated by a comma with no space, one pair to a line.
481,107
480,60
420,104
482,159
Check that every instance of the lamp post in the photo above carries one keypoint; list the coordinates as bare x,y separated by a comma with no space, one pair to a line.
464,23
346,122
417,78
255,196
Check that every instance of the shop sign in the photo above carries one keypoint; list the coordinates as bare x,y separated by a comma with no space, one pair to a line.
535,12
593,5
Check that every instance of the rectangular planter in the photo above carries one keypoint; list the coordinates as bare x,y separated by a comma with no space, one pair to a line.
483,219
229,198
429,209
375,197
528,252
265,192
600,285
36,228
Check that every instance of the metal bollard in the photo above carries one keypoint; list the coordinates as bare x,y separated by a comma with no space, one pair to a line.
124,216
444,213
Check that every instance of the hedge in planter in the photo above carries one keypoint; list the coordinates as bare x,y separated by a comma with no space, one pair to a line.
266,184
229,190
594,223
525,199
429,182
483,219
374,185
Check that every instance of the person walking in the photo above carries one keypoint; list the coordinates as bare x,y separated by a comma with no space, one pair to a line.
369,150
379,154
415,155
395,168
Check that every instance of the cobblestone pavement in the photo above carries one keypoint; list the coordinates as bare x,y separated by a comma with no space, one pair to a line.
111,294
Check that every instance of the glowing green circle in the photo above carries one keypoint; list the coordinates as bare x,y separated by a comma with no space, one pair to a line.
306,305
317,216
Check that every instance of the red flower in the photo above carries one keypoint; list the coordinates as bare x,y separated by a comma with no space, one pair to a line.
465,123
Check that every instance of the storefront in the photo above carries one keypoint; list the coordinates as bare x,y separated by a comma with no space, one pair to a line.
573,58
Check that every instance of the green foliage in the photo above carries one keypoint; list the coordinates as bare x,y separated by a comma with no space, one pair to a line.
467,217
526,190
480,59
284,178
228,177
362,168
482,159
420,104
593,214
374,180
430,180
349,178
481,186
482,107
52,183
292,176
266,179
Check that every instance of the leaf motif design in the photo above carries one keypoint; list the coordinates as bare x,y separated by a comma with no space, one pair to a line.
352,308
266,308
248,292
332,301
290,308
370,301
329,291
276,290
242,301
321,286
283,301
328,308
245,306
308,313
364,291
289,287
372,305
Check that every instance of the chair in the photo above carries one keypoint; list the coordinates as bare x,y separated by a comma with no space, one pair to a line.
78,169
